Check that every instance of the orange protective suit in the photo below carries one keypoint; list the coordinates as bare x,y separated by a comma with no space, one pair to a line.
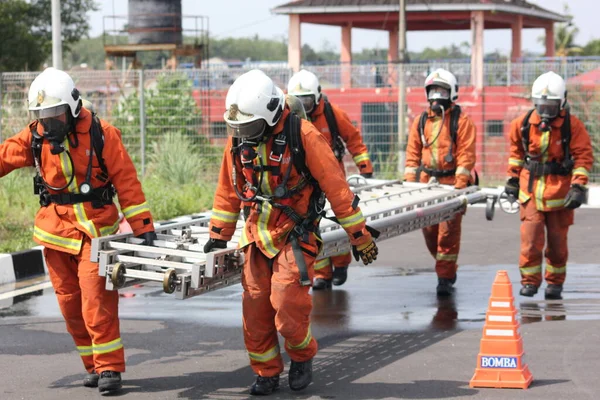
542,208
355,145
443,240
273,299
91,313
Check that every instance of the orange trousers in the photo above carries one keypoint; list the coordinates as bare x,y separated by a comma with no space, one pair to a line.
91,312
274,301
443,242
324,267
534,226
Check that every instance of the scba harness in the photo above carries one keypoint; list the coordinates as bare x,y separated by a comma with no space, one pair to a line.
532,163
338,147
99,197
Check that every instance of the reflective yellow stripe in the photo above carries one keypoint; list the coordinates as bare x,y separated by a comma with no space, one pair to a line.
446,257
361,157
541,182
84,350
523,198
435,126
244,241
535,269
109,230
581,171
266,356
224,216
556,270
555,203
304,343
515,162
266,183
263,232
354,219
134,210
410,170
321,264
462,171
67,243
107,347
78,208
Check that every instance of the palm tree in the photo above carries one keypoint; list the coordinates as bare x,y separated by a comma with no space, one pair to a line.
564,37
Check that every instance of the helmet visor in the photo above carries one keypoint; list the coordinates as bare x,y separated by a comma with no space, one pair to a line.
51,112
308,101
547,108
438,93
249,130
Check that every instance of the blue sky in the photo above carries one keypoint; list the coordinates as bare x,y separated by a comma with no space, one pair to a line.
253,17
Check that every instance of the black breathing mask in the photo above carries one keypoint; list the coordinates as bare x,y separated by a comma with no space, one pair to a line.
438,106
55,131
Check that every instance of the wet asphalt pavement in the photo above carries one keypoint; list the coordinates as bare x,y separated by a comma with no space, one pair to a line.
383,335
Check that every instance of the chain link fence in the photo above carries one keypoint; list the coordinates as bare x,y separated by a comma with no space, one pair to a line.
149,105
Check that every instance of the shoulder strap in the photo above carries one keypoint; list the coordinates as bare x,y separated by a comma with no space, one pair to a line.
422,122
565,133
97,137
331,122
454,118
525,127
296,147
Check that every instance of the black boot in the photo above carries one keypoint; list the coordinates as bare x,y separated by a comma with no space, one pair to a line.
91,380
263,386
553,292
300,375
528,290
320,284
444,287
340,274
109,381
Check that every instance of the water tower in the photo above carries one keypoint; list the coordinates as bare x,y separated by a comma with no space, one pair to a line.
156,25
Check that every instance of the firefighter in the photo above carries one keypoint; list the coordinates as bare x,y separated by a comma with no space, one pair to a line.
549,165
441,145
266,172
78,158
336,127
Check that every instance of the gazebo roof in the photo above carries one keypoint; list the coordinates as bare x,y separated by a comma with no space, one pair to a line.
319,11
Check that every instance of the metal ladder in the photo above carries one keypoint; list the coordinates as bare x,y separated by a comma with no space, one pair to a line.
177,259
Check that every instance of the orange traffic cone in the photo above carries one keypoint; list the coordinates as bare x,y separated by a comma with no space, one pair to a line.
500,361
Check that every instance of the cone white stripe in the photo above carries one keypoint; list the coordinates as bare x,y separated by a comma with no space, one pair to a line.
502,304
499,332
500,318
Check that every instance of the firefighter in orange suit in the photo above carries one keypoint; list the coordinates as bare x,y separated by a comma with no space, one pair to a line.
336,127
549,165
76,197
441,145
265,174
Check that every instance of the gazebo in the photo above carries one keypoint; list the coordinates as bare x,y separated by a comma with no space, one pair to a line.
421,15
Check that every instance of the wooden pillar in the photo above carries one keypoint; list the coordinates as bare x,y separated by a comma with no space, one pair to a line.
393,57
346,56
294,43
477,20
517,29
550,46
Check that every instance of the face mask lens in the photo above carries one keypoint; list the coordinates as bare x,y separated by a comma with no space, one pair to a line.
53,112
249,130
308,102
438,93
547,108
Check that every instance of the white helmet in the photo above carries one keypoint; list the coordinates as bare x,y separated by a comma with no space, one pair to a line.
305,85
52,93
549,94
443,79
253,102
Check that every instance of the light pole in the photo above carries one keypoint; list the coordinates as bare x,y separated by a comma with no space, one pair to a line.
56,36
401,84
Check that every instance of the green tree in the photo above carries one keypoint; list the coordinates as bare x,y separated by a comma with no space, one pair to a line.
592,48
26,30
564,37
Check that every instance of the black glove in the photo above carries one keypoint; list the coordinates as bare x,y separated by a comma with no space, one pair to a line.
149,238
214,244
367,252
576,196
512,187
367,175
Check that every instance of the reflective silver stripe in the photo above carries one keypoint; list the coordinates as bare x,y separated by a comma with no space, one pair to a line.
515,162
107,347
266,356
84,350
581,171
352,220
446,257
535,269
304,343
361,157
410,170
224,216
556,270
321,264
132,211
462,171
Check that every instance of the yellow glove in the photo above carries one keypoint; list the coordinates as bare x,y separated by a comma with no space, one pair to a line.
367,252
